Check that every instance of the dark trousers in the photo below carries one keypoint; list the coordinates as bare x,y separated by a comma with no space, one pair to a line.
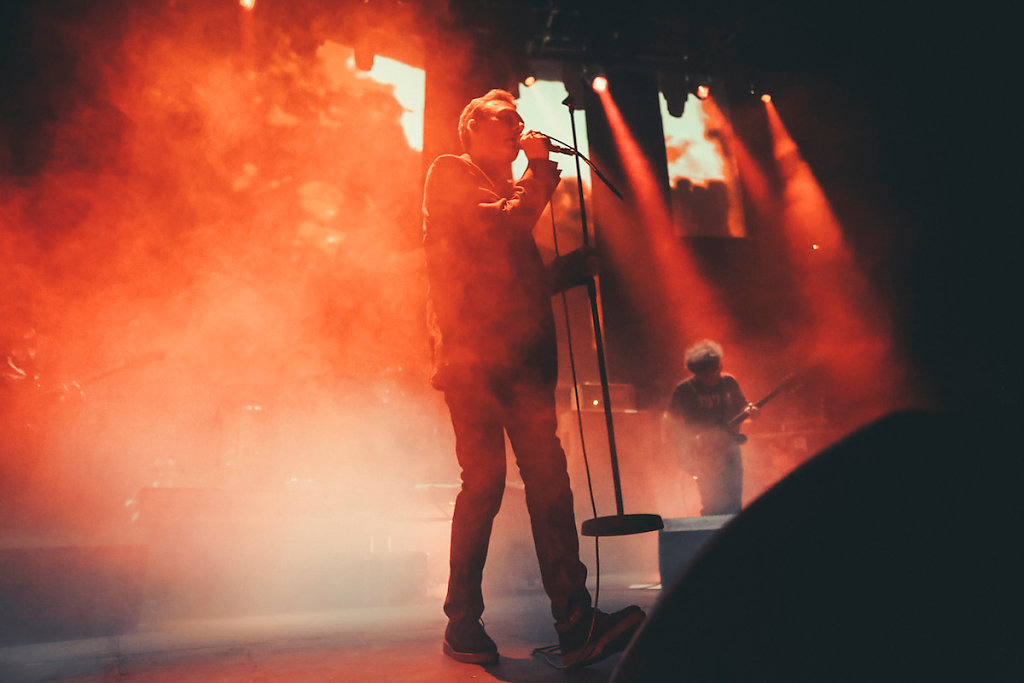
720,482
481,415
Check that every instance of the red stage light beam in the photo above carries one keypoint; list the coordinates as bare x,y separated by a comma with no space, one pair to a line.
691,306
849,331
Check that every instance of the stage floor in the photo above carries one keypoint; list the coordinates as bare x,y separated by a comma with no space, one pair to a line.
397,643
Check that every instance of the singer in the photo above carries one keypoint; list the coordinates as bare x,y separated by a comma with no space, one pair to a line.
495,359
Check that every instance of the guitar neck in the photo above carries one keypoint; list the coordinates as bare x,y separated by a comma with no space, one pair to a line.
743,415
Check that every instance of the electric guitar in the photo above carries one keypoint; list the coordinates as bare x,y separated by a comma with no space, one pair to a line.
714,440
790,380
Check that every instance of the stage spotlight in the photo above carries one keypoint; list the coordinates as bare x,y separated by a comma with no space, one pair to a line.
766,98
698,85
247,4
595,76
529,80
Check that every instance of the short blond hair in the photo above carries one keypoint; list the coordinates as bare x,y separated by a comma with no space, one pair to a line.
474,106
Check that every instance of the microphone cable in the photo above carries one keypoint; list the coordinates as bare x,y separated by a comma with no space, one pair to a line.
549,651
571,150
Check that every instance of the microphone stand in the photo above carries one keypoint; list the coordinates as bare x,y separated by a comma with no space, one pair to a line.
619,524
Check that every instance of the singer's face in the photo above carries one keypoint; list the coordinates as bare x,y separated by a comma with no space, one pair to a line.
495,133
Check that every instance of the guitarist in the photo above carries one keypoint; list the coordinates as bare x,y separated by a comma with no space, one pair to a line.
702,413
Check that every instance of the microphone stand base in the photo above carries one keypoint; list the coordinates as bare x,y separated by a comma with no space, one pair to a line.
621,525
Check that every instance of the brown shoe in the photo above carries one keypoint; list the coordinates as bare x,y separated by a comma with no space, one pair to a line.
593,635
468,642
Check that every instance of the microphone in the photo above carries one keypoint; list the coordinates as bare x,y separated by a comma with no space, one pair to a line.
555,148
558,149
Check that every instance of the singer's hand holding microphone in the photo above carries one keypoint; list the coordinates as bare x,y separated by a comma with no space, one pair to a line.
537,145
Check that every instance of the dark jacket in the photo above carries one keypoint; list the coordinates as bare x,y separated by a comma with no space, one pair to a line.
490,292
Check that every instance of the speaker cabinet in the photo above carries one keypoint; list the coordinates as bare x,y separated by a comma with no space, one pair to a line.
680,541
61,593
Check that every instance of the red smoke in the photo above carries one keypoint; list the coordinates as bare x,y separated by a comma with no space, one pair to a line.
847,329
221,247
